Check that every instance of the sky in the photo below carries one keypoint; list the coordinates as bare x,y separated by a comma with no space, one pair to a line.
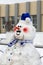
14,1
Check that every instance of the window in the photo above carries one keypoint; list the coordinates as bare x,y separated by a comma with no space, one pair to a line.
3,20
34,20
12,19
18,18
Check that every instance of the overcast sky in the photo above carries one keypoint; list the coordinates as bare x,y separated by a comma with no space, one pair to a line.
14,1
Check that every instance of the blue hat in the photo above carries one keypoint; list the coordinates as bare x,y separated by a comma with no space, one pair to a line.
25,15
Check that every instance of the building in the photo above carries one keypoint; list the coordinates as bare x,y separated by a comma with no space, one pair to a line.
11,13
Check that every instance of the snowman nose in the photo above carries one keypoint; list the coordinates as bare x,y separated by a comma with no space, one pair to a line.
16,28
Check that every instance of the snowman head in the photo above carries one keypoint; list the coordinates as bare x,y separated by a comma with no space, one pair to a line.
24,29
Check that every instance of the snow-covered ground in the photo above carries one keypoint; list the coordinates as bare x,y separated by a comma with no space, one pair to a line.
38,41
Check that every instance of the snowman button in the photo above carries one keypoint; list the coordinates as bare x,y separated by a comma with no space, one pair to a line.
20,53
9,59
10,53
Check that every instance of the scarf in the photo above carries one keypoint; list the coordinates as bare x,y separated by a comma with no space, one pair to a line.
22,42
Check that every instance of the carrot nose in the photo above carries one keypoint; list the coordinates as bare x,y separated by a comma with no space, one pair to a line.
16,28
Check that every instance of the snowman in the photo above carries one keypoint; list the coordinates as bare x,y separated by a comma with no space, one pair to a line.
20,50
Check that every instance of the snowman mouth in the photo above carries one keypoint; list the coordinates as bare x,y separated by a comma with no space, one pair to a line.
17,33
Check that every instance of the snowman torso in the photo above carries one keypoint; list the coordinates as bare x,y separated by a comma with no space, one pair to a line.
22,55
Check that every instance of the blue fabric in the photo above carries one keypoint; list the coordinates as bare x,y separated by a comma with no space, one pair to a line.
12,42
21,42
25,15
25,41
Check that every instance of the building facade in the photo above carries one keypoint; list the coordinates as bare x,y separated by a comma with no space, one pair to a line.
11,13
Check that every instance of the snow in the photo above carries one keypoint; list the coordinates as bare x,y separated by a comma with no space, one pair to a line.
38,41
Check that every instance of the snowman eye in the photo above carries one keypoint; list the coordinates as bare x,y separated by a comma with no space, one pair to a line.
19,26
25,29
